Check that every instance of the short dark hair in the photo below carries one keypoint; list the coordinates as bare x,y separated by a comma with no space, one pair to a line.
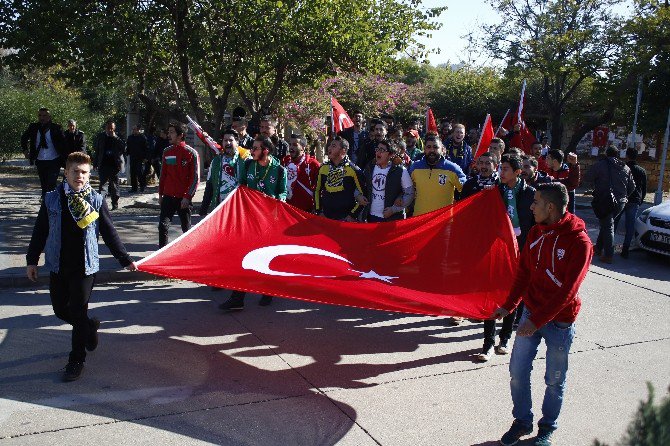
376,122
270,119
390,146
343,142
556,154
514,151
77,158
231,131
536,143
555,193
513,160
301,139
44,109
491,155
631,153
240,119
358,112
266,143
434,138
612,151
179,128
531,159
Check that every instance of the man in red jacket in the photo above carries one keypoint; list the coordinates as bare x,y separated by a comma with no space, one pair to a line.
179,180
302,171
552,266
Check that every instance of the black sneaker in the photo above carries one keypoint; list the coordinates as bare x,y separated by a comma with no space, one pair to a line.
73,371
92,341
115,206
514,433
232,304
543,438
265,301
624,252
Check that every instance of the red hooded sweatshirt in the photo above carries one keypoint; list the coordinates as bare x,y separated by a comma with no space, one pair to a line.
552,266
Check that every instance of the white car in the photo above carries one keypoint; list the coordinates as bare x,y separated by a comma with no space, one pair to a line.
652,229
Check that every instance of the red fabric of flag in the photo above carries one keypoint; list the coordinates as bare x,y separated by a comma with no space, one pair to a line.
485,138
341,119
459,260
431,124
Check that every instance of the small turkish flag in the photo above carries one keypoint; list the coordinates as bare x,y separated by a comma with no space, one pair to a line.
341,119
486,137
600,135
431,125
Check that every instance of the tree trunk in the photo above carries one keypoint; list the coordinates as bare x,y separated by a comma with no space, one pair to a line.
179,13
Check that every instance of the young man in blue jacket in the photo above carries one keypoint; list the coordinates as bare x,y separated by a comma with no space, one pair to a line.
71,216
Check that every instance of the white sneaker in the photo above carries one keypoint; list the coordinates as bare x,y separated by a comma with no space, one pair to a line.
502,350
484,356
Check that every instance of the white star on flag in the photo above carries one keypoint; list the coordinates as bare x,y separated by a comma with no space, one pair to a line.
373,275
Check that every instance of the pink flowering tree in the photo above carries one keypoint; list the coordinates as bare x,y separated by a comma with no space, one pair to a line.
306,109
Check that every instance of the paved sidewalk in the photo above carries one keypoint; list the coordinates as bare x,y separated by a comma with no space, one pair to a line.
172,369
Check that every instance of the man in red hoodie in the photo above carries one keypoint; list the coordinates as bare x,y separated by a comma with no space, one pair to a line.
302,171
552,266
179,180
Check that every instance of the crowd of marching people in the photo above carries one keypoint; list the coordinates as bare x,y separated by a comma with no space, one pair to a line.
376,171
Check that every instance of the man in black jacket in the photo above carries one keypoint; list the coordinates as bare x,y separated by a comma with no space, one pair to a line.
610,176
42,144
74,140
355,135
137,148
634,200
366,150
109,153
487,166
388,188
517,197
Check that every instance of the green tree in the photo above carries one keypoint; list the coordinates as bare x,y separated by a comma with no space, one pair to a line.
198,55
565,42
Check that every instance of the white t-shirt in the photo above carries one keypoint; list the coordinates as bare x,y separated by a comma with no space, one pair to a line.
50,152
379,188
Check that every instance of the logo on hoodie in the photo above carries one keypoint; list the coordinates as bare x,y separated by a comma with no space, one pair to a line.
560,253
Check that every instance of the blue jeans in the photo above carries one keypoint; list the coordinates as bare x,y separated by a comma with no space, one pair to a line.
630,214
558,338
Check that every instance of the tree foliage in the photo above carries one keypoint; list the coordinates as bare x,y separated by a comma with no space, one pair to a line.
565,42
20,100
200,55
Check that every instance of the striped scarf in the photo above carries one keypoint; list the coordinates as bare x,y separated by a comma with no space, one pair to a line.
79,205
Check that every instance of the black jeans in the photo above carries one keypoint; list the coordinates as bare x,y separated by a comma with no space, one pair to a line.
137,174
571,202
605,241
70,294
109,175
505,330
48,171
238,296
170,206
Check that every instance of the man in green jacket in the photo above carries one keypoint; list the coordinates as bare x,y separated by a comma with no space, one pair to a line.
264,173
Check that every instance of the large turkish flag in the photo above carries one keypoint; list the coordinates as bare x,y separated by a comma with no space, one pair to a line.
459,260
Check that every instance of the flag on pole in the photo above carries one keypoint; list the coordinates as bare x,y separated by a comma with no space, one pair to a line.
341,119
486,137
208,140
431,124
524,138
458,260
